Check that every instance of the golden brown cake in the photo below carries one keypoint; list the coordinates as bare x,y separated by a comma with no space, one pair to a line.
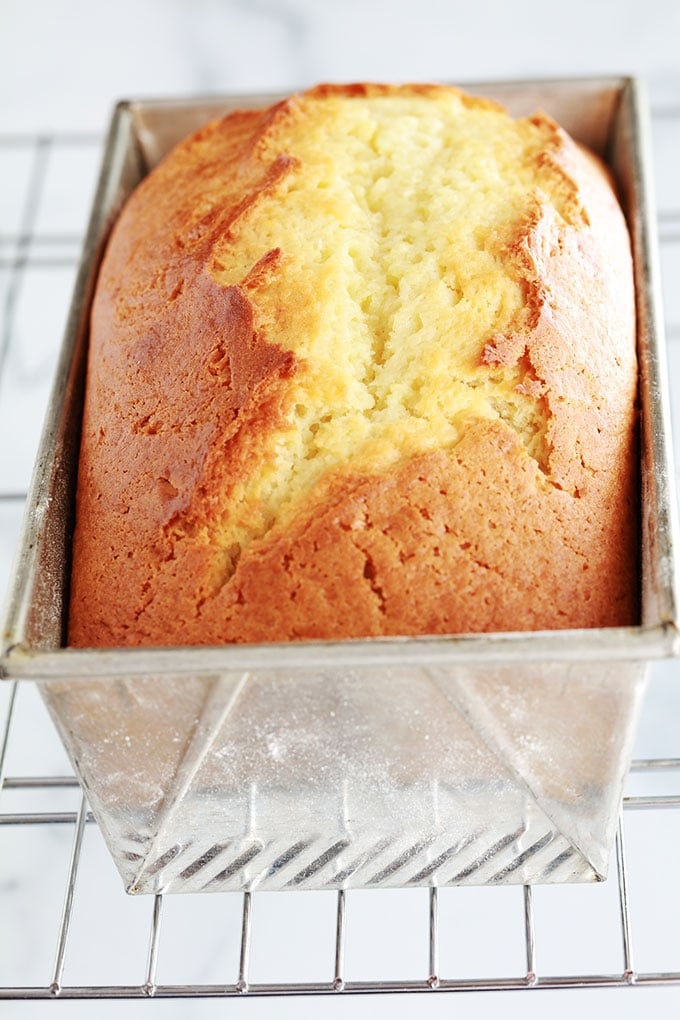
362,363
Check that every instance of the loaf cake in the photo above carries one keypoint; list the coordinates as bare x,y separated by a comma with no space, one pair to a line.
361,363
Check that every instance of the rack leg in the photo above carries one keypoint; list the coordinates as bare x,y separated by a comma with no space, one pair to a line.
530,934
244,960
67,911
624,905
339,979
433,979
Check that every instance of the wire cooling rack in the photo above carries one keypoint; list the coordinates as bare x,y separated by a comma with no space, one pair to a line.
432,979
611,935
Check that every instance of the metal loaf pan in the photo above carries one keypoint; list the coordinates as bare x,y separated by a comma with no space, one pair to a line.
481,759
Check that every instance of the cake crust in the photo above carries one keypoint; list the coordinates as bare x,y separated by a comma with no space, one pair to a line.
418,420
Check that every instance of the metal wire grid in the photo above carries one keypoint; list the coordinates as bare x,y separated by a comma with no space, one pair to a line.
433,980
28,249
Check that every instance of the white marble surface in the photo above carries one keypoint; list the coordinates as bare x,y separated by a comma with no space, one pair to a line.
63,63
